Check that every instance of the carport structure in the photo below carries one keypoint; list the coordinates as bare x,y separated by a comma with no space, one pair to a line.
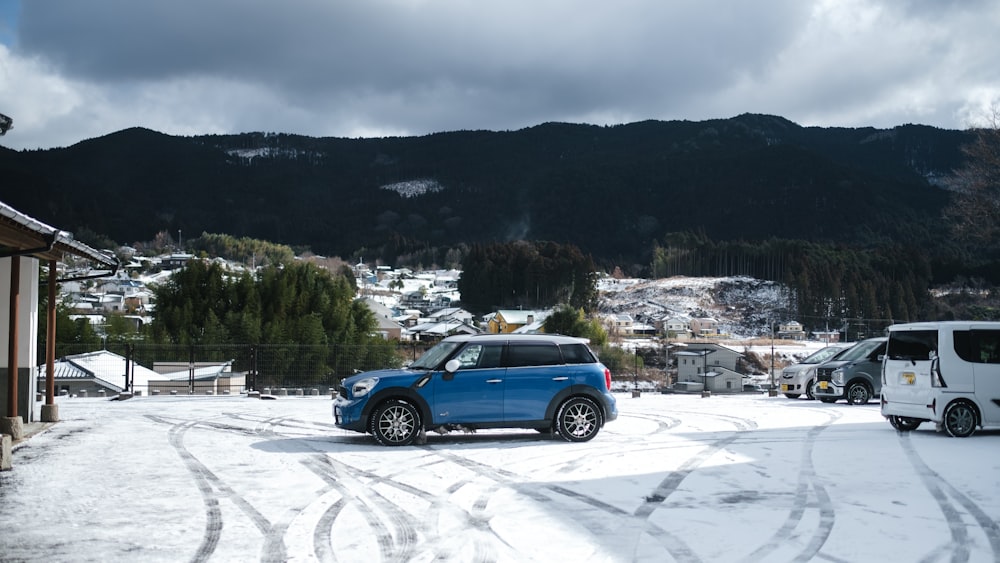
26,244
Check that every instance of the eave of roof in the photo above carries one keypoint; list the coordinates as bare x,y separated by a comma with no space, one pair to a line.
22,235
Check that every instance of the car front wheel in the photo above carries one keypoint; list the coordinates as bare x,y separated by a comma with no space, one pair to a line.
858,394
395,423
809,390
578,420
959,420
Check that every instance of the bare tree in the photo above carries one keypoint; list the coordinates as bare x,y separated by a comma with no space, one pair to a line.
975,205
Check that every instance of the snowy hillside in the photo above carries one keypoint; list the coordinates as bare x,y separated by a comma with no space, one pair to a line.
743,306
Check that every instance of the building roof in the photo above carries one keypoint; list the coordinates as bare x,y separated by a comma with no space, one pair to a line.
517,316
27,236
107,369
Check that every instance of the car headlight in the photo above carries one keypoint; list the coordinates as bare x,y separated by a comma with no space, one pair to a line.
363,386
837,376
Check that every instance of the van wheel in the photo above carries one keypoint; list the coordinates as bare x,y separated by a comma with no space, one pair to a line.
858,394
395,423
904,423
809,390
578,420
960,419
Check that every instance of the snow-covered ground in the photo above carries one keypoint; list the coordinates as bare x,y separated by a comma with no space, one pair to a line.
675,478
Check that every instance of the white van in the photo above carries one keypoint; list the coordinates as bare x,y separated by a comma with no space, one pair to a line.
947,373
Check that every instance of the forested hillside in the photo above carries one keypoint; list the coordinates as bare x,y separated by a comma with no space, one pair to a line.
851,219
612,191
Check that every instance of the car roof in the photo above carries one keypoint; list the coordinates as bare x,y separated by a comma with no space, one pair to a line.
508,337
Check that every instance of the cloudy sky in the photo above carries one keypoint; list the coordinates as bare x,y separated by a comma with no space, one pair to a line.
72,70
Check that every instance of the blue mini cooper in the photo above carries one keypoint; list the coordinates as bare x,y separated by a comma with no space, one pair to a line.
549,383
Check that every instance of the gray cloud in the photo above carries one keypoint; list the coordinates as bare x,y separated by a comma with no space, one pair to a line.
381,67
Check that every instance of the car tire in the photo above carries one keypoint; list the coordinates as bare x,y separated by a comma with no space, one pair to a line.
828,399
959,419
792,395
578,420
395,423
809,390
858,394
904,423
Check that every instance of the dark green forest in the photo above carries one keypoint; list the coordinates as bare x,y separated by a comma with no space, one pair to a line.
851,218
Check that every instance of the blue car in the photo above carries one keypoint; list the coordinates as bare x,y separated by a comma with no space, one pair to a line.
549,383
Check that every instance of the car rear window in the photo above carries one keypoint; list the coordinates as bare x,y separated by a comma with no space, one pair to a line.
912,345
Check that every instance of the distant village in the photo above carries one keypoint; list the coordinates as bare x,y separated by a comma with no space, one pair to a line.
408,305
412,306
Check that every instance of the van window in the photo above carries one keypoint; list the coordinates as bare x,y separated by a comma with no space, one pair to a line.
522,354
577,354
978,346
912,345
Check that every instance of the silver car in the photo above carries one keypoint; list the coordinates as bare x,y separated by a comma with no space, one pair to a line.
798,379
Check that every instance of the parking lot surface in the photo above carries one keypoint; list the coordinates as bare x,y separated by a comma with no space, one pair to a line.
675,478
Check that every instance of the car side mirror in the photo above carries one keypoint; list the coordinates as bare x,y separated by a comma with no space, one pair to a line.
452,366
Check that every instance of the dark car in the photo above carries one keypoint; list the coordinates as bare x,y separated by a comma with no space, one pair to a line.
855,375
548,383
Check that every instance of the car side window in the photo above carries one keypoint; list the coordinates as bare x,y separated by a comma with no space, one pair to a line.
878,351
522,354
469,356
480,356
491,356
576,354
986,346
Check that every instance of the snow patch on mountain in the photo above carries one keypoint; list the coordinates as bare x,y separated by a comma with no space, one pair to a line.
414,188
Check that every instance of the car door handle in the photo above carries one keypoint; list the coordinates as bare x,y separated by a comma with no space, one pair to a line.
560,378
494,381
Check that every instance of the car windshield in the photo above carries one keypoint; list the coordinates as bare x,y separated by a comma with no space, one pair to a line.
823,355
432,358
859,351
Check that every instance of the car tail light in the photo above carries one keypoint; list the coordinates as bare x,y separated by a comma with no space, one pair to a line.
607,378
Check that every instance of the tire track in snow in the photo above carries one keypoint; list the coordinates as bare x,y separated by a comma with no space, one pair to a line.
438,550
212,488
940,490
807,482
323,467
213,514
676,547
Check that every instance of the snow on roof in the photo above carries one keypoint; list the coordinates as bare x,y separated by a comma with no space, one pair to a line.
106,368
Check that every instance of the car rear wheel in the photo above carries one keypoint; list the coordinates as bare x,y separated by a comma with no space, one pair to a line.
395,423
959,419
578,420
858,394
904,423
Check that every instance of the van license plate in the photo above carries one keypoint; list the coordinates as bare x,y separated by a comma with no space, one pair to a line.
907,378
823,384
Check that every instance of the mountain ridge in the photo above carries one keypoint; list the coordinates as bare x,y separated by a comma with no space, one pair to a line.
614,191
